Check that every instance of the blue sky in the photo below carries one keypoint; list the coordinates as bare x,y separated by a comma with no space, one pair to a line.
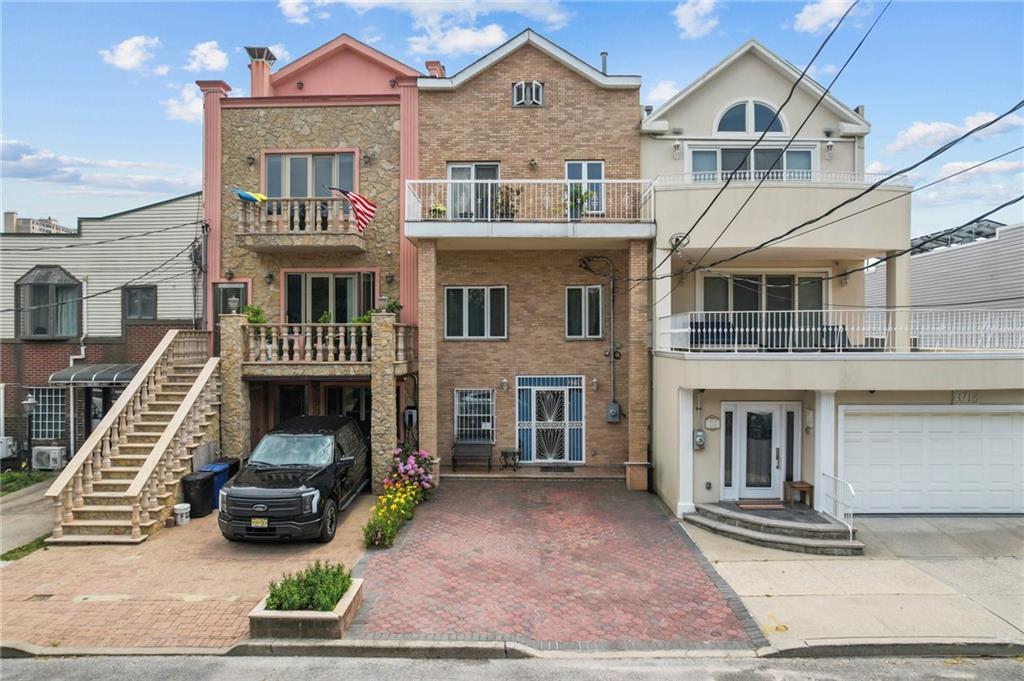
99,113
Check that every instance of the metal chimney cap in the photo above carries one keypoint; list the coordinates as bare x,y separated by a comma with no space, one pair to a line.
261,54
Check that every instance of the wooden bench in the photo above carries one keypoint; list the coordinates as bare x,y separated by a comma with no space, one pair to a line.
473,450
804,490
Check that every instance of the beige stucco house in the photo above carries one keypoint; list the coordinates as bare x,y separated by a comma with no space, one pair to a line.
768,370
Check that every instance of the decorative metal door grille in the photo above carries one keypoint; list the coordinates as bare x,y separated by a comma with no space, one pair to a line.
550,418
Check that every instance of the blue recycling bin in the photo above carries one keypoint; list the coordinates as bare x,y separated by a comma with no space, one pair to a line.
220,476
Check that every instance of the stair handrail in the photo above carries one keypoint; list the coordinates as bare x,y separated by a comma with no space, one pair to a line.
99,440
199,388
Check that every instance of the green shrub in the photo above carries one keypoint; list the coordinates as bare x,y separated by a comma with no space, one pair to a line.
319,587
382,528
12,481
254,314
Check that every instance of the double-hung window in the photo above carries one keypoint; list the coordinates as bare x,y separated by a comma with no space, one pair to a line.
139,302
583,312
585,187
474,415
528,93
476,312
48,301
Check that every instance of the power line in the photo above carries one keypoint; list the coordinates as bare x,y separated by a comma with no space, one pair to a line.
821,98
124,237
760,139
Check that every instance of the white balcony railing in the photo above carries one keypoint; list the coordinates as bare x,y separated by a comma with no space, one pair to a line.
529,201
824,177
864,330
324,215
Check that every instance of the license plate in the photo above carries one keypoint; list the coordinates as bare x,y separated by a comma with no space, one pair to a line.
259,522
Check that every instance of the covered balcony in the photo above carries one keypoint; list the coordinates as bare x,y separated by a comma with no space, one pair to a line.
294,225
516,209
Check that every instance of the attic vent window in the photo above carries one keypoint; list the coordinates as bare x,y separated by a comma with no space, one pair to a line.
528,93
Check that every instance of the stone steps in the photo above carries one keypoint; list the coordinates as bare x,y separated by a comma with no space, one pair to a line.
828,547
810,530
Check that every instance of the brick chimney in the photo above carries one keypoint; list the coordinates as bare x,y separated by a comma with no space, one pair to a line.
261,59
435,69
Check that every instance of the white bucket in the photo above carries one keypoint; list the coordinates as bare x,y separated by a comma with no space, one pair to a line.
182,513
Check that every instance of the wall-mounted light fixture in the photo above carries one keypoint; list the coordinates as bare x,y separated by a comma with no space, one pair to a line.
503,383
677,150
389,278
300,85
595,384
808,420
269,278
250,160
533,164
368,158
829,144
229,274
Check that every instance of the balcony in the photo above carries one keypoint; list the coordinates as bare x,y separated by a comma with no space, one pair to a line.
470,209
805,333
299,225
814,177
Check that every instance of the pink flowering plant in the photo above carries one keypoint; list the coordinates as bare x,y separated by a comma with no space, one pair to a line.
411,466
405,486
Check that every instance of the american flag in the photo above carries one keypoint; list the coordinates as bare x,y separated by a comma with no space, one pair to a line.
363,207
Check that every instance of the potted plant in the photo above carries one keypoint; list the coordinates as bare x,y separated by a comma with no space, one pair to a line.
577,199
438,211
319,602
506,202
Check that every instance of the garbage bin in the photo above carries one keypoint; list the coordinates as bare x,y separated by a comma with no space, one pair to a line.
220,476
198,491
232,463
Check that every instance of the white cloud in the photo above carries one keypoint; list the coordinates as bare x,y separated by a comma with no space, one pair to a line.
987,195
281,52
993,168
372,36
294,11
936,133
824,70
662,91
877,167
457,39
188,106
821,15
207,57
162,70
132,53
695,18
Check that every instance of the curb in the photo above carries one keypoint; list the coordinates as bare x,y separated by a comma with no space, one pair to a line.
17,649
8,499
452,650
898,648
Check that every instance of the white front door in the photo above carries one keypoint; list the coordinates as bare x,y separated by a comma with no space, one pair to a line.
759,431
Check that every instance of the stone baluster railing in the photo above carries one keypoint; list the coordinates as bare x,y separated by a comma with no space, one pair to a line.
330,215
307,343
405,342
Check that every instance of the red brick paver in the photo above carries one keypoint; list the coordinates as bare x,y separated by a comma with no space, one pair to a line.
551,563
184,587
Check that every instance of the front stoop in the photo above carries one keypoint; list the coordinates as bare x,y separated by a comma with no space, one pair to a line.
818,538
307,624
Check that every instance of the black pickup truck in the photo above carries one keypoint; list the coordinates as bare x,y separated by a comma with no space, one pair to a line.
296,481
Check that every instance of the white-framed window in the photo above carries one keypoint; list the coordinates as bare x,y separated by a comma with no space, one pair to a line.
749,117
308,175
476,312
583,312
139,302
472,190
709,164
48,415
586,187
528,93
757,292
474,415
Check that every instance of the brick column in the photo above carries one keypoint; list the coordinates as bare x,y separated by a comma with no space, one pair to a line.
427,350
235,408
383,424
638,362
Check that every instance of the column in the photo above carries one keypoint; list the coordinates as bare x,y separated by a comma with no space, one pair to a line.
235,408
426,252
214,91
662,297
408,170
383,422
685,504
638,366
897,297
824,444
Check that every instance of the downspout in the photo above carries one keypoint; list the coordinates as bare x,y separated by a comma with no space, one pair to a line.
80,355
613,413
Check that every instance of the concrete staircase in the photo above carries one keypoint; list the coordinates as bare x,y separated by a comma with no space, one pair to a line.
124,481
824,538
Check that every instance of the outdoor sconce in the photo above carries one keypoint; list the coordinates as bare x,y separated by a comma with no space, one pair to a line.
250,160
300,85
389,278
504,384
533,164
808,420
269,278
229,274
829,144
677,150
594,384
368,158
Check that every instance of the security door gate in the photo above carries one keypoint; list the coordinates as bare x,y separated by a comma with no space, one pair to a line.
550,422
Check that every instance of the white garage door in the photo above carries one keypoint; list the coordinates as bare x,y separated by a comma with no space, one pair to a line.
919,461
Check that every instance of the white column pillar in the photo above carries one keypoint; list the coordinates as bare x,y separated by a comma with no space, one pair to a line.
685,504
824,444
897,297
662,298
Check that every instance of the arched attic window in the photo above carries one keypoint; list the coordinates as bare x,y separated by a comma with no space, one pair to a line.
749,117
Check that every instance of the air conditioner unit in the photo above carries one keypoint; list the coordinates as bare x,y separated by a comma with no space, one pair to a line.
49,458
6,447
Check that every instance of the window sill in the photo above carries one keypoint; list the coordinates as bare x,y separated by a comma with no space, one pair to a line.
461,339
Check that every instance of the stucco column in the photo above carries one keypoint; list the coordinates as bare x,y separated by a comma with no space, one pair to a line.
897,297
426,252
383,424
409,142
214,91
235,407
685,504
824,444
638,416
662,296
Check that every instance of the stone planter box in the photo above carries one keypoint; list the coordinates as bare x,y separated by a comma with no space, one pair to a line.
265,623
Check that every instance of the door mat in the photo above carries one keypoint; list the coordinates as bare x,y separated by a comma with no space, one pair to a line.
775,506
557,469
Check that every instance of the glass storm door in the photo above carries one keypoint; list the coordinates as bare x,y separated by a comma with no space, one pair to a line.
550,424
761,451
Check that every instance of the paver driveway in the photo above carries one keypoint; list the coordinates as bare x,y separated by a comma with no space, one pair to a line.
583,565
184,587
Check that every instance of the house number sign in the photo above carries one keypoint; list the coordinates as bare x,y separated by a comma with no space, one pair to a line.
965,397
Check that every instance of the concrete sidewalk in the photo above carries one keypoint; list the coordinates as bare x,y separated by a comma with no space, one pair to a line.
25,515
921,581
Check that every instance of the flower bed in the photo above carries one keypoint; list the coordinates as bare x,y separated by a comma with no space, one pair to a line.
405,486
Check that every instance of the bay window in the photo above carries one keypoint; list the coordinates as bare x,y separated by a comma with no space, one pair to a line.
476,312
49,303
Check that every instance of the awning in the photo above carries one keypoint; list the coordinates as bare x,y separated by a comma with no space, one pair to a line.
95,375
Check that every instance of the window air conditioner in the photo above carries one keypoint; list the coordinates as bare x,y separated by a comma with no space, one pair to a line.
48,458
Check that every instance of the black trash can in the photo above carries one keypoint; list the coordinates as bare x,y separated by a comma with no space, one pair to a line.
198,491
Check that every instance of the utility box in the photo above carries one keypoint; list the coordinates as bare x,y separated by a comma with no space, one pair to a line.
613,412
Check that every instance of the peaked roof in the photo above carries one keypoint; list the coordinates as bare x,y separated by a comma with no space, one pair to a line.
529,37
342,42
858,125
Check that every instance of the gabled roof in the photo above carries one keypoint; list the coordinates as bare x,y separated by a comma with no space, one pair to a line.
857,124
529,37
343,42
